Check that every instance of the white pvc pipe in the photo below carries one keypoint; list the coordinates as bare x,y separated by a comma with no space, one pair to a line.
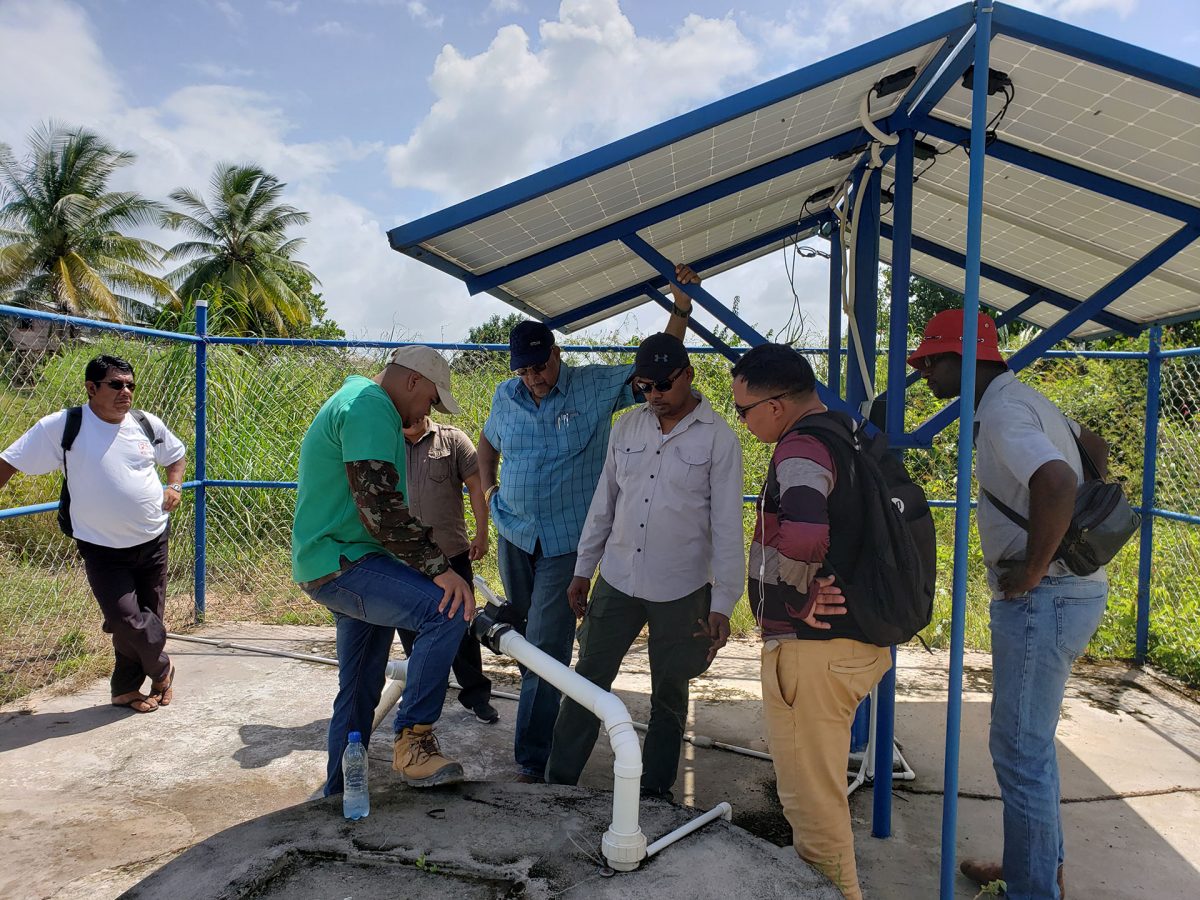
397,673
722,810
624,845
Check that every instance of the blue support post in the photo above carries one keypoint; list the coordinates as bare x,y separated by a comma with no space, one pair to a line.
966,423
835,311
885,713
1149,477
200,494
866,286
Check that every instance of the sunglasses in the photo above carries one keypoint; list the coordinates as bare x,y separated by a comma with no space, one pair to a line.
118,385
928,362
645,386
743,411
532,370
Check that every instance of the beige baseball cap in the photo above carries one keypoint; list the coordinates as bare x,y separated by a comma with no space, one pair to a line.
428,362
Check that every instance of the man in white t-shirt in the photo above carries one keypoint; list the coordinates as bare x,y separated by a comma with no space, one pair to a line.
118,517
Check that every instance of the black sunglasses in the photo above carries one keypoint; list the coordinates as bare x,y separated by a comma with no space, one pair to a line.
532,370
742,411
644,387
118,385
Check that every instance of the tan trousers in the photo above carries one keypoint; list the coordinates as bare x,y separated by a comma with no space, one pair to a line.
810,692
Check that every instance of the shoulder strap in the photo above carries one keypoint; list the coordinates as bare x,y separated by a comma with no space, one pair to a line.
1089,464
71,428
1013,516
144,421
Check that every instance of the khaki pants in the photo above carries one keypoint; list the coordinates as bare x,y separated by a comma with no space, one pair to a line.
810,692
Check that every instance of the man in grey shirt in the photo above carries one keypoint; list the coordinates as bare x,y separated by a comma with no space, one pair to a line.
1042,615
665,528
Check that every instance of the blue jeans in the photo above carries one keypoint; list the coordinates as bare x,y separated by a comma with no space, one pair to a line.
1035,639
369,601
536,586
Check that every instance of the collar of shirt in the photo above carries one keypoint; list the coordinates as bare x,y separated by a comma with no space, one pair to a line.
702,413
992,394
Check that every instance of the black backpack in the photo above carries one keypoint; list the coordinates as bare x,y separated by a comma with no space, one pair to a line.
892,582
70,432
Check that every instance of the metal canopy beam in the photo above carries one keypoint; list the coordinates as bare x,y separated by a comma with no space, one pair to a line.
701,265
1072,320
1096,48
1067,173
1016,282
677,206
724,315
713,341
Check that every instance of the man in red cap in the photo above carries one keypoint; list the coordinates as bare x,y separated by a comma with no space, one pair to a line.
1042,615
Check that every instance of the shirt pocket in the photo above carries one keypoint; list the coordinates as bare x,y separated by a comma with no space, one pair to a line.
438,465
630,456
693,467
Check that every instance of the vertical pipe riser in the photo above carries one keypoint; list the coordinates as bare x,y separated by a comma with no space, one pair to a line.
201,493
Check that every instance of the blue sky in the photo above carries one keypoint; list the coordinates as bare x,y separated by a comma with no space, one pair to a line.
379,111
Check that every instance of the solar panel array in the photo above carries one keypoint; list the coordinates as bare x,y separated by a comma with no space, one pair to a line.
1036,228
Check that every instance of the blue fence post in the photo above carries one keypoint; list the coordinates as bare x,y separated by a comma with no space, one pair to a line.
201,457
1149,477
966,423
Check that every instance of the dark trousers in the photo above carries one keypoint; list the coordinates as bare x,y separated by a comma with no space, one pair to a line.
130,584
476,688
613,622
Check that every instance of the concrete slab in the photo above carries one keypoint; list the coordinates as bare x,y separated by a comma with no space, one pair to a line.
92,799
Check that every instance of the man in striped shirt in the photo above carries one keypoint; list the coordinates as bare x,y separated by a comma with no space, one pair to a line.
551,423
814,672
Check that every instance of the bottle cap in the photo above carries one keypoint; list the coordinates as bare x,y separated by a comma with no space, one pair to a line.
355,737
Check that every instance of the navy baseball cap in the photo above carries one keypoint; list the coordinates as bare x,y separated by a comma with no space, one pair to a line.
659,357
529,344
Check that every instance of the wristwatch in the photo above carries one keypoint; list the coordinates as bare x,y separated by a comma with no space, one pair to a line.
677,311
487,495
176,487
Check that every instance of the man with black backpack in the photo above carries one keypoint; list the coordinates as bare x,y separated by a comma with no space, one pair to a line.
1030,462
818,662
114,506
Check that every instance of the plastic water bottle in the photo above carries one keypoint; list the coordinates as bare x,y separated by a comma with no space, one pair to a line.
356,803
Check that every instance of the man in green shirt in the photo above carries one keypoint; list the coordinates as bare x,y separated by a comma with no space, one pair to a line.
358,551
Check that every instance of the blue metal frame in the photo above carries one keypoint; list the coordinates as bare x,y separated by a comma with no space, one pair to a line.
866,284
1149,476
719,345
835,310
962,516
676,206
22,312
200,575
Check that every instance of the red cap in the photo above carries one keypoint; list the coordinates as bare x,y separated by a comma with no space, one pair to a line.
944,333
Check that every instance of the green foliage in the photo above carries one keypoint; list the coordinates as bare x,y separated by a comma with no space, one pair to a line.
62,244
239,241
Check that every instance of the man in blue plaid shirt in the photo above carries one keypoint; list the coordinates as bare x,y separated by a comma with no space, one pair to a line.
551,423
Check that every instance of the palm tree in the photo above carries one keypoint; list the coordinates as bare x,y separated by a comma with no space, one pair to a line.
241,245
62,244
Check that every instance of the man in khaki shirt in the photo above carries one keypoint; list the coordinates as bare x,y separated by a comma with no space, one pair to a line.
665,529
441,459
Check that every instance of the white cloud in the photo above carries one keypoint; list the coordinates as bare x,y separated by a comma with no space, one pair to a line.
502,7
231,13
420,13
512,109
283,8
332,28
220,71
369,288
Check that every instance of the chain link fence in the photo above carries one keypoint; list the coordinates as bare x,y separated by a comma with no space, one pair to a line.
261,399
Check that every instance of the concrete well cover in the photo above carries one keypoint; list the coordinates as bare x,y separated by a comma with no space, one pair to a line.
482,840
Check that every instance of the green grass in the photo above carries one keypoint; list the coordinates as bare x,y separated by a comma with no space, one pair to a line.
261,401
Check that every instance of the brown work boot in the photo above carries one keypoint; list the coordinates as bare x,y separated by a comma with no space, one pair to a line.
418,759
984,873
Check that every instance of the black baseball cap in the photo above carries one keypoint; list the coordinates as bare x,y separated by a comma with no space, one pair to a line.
529,344
659,357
